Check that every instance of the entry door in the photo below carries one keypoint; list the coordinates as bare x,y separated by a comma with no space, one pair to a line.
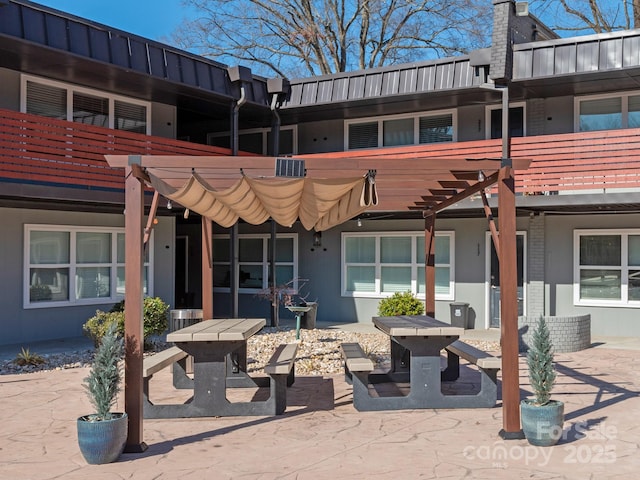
182,294
493,279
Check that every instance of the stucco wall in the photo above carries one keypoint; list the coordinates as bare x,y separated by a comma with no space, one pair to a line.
18,324
10,91
614,321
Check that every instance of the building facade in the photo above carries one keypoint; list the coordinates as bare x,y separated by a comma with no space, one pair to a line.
74,91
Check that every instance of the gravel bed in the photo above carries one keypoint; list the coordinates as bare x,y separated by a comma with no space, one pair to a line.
318,353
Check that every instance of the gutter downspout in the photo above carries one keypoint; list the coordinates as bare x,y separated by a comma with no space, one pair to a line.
275,136
233,240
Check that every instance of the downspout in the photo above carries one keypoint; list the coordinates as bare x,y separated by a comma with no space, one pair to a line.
233,240
275,139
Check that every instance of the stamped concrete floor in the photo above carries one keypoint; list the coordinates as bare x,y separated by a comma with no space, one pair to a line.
321,435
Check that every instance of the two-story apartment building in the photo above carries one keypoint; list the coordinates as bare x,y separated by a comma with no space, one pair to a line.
74,91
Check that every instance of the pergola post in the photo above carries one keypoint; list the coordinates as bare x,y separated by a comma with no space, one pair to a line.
133,305
509,305
430,263
207,268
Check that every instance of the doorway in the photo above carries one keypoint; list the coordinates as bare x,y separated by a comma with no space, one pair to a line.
493,279
182,292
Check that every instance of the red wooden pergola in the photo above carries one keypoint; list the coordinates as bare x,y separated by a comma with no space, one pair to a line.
405,180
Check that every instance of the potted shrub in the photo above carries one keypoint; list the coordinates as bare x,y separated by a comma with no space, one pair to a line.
542,418
102,435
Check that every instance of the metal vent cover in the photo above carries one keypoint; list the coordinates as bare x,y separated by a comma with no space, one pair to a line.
289,167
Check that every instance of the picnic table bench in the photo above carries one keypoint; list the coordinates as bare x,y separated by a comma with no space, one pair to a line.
486,363
213,344
416,344
355,361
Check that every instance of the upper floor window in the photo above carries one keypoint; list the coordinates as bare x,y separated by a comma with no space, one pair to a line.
394,131
380,264
259,140
607,267
517,120
75,104
608,112
76,265
254,260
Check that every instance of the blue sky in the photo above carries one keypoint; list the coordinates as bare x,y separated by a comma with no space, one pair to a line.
154,19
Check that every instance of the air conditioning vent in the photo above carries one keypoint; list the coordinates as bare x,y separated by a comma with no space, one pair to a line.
289,167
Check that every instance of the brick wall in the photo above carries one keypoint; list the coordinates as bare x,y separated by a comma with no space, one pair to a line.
568,334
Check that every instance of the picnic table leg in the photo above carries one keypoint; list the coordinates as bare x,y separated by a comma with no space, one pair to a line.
180,378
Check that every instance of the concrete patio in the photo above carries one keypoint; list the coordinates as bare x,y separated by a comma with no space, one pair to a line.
321,435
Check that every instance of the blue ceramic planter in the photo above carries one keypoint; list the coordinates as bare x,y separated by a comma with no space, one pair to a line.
542,424
103,441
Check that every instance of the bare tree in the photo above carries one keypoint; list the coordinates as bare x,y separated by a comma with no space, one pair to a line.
588,15
313,37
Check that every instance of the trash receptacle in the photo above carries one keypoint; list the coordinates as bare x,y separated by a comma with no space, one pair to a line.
184,317
459,314
308,319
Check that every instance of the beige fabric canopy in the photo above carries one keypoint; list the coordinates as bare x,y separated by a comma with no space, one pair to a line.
319,203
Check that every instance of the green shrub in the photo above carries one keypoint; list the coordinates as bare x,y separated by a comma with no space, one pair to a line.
400,304
96,327
155,320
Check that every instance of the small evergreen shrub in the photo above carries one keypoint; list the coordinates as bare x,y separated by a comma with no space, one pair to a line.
542,374
155,313
103,383
400,304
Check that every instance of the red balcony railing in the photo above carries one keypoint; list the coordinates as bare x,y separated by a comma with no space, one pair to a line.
41,149
34,148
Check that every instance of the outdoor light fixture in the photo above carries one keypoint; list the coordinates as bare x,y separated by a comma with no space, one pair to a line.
317,239
481,177
169,205
359,222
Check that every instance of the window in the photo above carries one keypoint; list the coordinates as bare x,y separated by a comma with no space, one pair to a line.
259,141
254,257
608,112
607,267
380,264
517,124
75,265
394,131
76,104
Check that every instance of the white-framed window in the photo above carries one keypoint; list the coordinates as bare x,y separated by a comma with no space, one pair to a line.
517,120
607,112
71,265
376,264
254,259
52,99
258,140
397,130
607,267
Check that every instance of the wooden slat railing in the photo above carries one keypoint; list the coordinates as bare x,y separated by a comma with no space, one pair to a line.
601,160
574,162
34,148
40,149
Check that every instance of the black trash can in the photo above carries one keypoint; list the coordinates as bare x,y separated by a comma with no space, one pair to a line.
308,319
459,314
184,317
